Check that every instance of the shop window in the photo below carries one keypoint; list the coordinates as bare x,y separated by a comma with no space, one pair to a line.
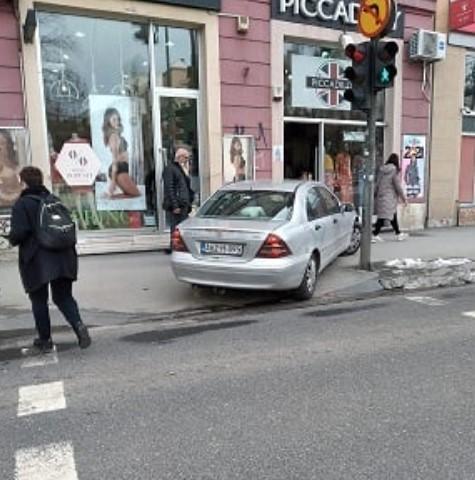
97,93
176,52
468,119
345,155
304,62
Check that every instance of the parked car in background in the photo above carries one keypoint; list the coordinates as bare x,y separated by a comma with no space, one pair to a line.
266,236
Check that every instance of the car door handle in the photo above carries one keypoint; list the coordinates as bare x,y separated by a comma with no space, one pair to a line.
317,227
335,220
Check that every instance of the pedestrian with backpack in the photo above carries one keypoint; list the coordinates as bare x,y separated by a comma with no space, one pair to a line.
43,229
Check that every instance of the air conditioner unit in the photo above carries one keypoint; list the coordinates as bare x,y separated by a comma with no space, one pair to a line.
427,46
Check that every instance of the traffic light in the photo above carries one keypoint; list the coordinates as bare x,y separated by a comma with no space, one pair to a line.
359,75
385,65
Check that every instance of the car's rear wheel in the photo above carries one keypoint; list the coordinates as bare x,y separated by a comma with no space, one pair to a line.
355,241
306,289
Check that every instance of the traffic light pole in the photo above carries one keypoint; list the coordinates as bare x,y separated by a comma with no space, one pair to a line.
369,174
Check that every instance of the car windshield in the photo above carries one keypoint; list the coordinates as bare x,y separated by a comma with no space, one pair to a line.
249,204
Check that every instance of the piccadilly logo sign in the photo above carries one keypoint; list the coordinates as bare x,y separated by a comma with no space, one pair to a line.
335,14
319,83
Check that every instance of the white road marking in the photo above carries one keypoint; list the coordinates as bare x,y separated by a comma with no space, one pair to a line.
433,302
40,360
469,314
51,462
46,397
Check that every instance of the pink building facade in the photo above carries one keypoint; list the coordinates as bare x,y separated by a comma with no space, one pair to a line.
245,68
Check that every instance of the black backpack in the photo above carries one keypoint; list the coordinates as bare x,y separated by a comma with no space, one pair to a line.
55,229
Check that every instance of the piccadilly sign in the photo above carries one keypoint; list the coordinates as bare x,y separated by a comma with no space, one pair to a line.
335,14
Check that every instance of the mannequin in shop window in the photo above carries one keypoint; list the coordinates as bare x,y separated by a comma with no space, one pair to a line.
329,171
343,177
119,170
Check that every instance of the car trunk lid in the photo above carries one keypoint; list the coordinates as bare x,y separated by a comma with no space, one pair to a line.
234,240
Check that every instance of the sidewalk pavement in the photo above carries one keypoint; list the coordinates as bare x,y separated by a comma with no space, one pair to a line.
121,288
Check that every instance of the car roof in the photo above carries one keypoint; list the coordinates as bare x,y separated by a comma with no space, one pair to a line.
285,186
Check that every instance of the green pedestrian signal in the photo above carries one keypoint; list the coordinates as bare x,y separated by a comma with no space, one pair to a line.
385,65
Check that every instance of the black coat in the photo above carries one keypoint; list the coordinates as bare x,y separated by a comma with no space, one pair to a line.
38,266
177,188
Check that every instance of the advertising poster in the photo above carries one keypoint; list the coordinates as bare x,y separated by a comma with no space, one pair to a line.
239,158
413,166
12,158
116,134
319,82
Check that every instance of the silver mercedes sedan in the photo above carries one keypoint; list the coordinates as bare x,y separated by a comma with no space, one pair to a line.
261,235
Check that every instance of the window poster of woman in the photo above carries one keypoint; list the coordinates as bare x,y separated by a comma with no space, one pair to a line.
12,158
239,157
413,166
116,134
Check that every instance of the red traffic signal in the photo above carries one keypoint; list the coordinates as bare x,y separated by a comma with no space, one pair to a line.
359,75
356,54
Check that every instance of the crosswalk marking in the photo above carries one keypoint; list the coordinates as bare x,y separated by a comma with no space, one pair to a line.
50,462
45,397
40,360
431,301
469,314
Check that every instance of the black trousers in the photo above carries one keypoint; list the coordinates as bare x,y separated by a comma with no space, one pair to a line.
380,224
174,219
61,291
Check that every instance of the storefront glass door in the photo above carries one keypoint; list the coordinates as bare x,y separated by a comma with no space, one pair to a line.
177,125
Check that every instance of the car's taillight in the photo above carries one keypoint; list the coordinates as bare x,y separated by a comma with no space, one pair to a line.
178,245
274,247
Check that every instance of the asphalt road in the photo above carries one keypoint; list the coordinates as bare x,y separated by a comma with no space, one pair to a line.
378,389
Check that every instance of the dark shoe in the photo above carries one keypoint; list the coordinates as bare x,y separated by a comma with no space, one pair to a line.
44,346
82,333
168,251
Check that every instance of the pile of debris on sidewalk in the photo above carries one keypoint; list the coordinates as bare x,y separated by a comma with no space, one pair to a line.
412,273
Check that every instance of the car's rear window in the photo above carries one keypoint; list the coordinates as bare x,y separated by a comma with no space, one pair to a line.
249,204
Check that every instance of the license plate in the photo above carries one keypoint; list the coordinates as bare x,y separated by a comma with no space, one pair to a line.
211,248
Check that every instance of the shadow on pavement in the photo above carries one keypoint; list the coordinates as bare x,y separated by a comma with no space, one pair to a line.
165,336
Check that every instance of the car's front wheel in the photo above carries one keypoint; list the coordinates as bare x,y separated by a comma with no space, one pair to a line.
306,289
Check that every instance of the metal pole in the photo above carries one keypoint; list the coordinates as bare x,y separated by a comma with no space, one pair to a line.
370,166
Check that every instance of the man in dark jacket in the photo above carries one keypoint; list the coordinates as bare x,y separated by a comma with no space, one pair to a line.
41,267
178,195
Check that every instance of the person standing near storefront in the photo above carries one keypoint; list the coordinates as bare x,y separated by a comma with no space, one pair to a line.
178,195
388,191
42,267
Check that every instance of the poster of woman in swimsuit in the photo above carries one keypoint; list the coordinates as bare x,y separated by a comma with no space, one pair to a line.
116,135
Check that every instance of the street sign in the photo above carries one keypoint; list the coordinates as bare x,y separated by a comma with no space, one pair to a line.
78,164
374,17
